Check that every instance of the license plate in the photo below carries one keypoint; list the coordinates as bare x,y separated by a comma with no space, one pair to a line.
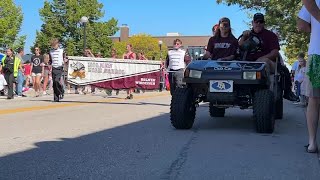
221,86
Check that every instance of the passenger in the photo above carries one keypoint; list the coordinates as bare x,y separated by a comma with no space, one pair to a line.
223,45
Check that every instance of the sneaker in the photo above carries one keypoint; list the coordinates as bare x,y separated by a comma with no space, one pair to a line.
45,93
61,96
131,96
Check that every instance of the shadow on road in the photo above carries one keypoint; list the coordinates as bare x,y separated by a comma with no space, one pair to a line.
146,149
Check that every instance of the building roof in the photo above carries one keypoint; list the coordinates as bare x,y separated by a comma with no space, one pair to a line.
201,40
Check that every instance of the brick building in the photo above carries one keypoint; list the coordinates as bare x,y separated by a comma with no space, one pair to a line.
192,43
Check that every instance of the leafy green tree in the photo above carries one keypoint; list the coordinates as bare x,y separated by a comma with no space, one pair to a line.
142,43
11,18
281,15
61,19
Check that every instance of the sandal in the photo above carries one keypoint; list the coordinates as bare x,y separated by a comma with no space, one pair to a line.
311,150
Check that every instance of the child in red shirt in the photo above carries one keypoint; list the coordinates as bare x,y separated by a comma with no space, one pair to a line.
27,73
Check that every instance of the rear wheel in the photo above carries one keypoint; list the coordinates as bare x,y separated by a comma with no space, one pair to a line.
183,109
278,112
215,111
263,111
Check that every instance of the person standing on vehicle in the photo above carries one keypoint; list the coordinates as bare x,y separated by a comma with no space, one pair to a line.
57,60
223,45
176,61
269,50
307,22
10,66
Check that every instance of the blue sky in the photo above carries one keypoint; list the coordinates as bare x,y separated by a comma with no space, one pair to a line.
154,18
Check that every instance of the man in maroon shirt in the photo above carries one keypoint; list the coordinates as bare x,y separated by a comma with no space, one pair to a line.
269,50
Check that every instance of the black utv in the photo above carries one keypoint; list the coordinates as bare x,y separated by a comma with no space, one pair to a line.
226,84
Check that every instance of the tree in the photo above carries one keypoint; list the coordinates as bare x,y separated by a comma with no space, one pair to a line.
142,43
281,15
11,18
61,20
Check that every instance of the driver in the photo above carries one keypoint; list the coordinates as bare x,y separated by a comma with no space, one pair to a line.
222,45
269,50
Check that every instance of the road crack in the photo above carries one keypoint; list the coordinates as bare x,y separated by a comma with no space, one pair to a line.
176,166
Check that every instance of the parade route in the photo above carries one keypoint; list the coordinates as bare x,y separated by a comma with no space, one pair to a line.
93,137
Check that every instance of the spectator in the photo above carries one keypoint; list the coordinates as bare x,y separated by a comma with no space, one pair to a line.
313,9
113,53
37,70
20,78
295,65
214,28
310,23
298,79
98,55
27,74
10,66
3,83
47,72
141,56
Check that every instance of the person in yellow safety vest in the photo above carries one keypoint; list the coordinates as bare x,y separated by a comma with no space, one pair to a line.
10,67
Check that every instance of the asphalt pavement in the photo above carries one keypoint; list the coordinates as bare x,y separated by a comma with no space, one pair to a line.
94,137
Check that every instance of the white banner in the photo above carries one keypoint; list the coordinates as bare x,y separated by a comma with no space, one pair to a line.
88,70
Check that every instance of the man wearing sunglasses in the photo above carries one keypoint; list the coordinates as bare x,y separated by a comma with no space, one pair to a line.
268,52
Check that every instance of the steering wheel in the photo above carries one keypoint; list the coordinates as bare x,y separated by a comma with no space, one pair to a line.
252,44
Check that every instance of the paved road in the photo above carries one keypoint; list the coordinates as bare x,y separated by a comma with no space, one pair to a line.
91,137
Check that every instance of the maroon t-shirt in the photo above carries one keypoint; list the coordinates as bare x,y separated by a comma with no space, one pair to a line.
270,42
221,47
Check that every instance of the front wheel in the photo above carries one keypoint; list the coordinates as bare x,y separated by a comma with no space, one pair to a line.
263,111
183,109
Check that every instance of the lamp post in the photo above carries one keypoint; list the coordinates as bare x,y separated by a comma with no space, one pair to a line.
161,69
84,21
160,46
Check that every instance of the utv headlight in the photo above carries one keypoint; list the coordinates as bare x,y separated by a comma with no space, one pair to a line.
250,75
195,74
